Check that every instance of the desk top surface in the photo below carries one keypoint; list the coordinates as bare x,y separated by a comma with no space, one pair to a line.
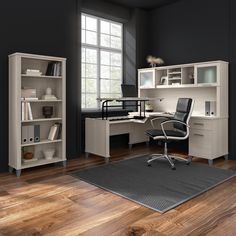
123,99
170,114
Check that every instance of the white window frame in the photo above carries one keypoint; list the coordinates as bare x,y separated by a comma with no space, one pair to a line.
100,48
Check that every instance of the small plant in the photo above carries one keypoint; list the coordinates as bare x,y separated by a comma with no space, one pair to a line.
154,61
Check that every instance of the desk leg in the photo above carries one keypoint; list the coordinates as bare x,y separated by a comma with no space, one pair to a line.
190,158
18,173
10,169
226,157
210,162
107,159
86,155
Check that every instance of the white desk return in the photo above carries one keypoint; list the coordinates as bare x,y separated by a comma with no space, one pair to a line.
207,137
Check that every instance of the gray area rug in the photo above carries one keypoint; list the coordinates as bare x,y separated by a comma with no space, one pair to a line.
158,187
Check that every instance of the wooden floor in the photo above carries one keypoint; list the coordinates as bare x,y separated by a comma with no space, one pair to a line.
47,201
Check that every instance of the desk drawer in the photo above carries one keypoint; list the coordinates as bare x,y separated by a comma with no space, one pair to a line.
200,143
202,124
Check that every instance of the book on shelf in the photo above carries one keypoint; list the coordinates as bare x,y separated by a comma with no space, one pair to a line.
33,72
26,111
55,132
54,69
30,99
59,130
29,111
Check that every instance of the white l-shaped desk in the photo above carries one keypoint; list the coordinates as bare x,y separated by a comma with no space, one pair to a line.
207,138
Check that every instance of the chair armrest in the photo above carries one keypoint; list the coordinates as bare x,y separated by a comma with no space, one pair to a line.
171,121
159,118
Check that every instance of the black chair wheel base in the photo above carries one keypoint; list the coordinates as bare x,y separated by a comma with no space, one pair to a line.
149,164
188,163
173,168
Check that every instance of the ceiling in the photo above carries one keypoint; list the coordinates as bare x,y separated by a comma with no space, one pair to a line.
146,4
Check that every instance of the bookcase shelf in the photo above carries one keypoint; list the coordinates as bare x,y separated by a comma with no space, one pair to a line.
41,162
40,76
41,120
42,142
42,101
30,136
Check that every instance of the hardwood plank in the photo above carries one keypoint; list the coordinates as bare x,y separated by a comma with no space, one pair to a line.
47,201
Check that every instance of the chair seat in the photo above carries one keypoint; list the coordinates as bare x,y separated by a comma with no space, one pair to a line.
155,132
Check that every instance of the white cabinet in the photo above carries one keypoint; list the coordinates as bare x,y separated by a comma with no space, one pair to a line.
41,75
147,78
207,73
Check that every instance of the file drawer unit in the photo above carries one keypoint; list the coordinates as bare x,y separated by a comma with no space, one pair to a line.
208,138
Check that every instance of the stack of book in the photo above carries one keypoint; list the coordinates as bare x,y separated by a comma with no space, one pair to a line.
26,111
33,72
55,132
54,69
28,94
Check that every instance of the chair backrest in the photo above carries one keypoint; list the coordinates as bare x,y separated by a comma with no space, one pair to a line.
183,112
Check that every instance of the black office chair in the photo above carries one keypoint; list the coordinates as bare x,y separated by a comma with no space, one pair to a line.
180,130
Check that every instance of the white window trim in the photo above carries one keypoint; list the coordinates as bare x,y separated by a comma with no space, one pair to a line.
98,47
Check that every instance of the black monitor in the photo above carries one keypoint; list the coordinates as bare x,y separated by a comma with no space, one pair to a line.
128,90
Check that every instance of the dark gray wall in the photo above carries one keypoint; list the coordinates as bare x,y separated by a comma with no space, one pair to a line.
194,31
190,31
47,28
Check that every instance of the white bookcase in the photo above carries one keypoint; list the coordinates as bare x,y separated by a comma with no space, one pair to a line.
204,82
18,79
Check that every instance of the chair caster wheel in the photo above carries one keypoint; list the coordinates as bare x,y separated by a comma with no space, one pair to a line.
188,163
173,168
149,164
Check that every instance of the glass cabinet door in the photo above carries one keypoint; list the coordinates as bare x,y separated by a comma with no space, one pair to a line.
207,74
147,79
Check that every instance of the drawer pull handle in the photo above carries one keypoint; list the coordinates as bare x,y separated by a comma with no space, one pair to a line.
201,135
199,124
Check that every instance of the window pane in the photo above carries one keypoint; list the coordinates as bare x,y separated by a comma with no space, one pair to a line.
91,85
83,36
105,58
116,30
83,70
83,86
115,86
105,86
91,38
116,73
91,23
105,40
91,71
83,101
105,27
115,42
91,100
115,59
83,22
105,72
91,55
105,50
83,54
